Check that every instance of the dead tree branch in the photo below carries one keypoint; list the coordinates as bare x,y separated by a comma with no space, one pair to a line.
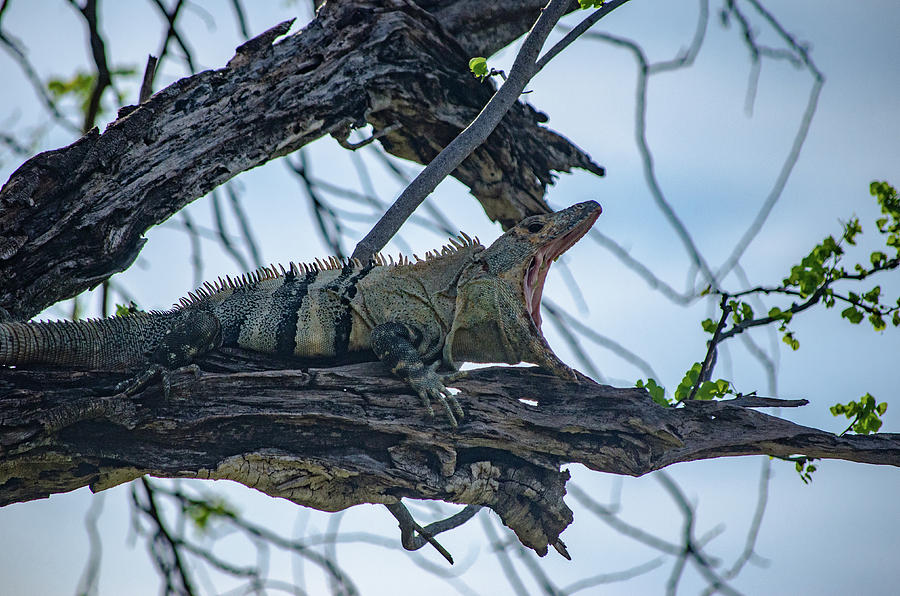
71,217
331,438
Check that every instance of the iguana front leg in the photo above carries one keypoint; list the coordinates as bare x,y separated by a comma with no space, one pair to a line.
397,345
187,336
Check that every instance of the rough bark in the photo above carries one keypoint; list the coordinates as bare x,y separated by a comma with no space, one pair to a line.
330,438
71,217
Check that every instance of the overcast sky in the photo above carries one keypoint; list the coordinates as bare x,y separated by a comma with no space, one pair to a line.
715,163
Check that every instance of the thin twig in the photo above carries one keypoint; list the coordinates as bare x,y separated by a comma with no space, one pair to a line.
147,82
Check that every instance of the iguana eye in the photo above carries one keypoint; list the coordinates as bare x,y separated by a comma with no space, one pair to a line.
535,227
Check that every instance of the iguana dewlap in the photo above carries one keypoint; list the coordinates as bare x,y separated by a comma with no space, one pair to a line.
464,303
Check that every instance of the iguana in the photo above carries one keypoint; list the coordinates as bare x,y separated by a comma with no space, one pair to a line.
463,303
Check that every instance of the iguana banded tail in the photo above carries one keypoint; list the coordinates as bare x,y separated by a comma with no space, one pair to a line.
464,303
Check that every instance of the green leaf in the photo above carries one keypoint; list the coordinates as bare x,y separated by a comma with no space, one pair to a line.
657,393
851,230
203,512
852,314
591,3
123,310
709,326
746,311
713,389
690,378
790,340
877,321
478,66
865,414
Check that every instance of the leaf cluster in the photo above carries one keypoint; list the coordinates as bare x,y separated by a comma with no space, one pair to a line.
706,390
812,281
805,468
204,511
866,414
80,86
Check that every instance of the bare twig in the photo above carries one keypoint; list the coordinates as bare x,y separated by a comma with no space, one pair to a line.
169,560
500,548
691,548
172,33
224,240
18,55
799,138
241,18
147,82
90,577
231,191
328,222
98,52
409,528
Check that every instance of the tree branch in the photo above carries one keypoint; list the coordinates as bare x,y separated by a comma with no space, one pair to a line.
71,217
336,437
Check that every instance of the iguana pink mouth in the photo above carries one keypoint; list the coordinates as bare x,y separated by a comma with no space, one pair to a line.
540,265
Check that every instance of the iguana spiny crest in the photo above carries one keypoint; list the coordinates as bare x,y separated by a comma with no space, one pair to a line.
464,303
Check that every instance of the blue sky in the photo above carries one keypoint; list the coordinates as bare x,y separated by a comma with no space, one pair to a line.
714,163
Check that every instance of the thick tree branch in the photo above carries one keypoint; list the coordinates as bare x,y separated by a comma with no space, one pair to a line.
71,217
332,438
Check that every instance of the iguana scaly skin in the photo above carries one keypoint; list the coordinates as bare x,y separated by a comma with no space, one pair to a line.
464,303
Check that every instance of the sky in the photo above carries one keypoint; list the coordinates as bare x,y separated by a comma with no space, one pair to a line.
714,162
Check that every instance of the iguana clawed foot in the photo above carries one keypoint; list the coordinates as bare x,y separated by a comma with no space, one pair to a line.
432,386
133,385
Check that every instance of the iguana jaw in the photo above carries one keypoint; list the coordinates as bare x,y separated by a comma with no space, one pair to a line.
536,272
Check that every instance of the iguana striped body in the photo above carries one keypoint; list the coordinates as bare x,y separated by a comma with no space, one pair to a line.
464,303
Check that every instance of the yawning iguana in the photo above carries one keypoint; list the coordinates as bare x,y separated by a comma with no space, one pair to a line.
464,303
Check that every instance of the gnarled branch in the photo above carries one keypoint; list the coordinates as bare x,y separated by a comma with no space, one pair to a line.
71,217
330,438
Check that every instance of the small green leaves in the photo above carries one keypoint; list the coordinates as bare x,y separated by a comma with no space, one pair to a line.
709,326
656,392
740,311
890,205
866,414
479,68
80,86
203,512
591,3
812,271
853,314
805,468
851,230
790,340
123,310
705,391
713,389
683,391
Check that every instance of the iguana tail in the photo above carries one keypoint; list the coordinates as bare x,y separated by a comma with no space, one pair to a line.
117,343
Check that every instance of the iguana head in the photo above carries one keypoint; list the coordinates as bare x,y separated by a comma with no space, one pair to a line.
498,305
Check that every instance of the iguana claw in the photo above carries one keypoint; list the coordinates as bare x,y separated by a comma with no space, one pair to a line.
431,386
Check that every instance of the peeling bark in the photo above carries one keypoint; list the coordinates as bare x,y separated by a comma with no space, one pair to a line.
71,217
331,438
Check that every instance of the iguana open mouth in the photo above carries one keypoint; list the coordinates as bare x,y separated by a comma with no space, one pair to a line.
540,265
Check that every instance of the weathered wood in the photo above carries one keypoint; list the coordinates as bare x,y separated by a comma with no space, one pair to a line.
71,217
330,438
